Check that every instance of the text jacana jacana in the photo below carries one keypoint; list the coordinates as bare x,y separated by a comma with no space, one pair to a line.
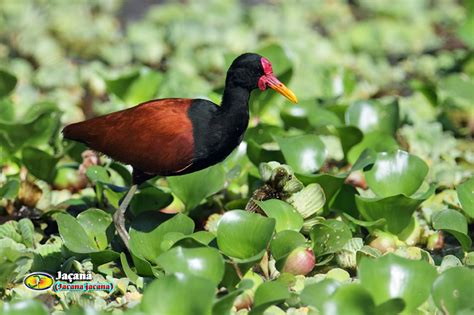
175,136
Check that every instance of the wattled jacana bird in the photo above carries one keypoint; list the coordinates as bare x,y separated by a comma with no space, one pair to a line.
175,136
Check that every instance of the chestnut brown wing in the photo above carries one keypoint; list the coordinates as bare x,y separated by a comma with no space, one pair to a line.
155,137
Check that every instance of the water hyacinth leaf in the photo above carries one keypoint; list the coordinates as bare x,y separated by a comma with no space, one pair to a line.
452,291
257,153
30,307
377,141
244,235
98,226
330,183
295,116
329,236
455,223
119,86
27,231
466,196
179,294
284,242
391,276
97,173
224,304
396,173
352,299
316,294
190,189
10,189
74,235
144,87
286,217
269,293
39,163
319,116
29,132
204,262
349,137
148,199
7,83
371,115
149,230
305,154
308,201
396,210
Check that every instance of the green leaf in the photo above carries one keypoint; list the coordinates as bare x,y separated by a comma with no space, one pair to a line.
258,154
244,235
149,232
74,235
316,294
309,201
455,223
190,189
97,173
204,262
377,141
396,173
27,231
452,291
30,307
329,236
7,83
127,270
371,115
351,299
224,304
143,88
40,164
330,183
148,199
179,294
349,137
466,196
10,189
305,154
88,233
269,293
97,224
396,210
284,242
286,217
391,276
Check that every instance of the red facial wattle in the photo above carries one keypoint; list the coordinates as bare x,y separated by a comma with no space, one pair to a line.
268,79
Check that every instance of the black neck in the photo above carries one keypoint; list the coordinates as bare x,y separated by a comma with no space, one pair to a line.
235,99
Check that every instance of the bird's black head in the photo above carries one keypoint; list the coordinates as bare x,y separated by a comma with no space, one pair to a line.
251,71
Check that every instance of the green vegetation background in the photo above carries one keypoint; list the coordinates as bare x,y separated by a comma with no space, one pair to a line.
379,185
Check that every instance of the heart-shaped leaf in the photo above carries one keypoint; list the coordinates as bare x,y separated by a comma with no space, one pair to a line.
453,291
305,154
396,173
244,235
455,223
149,232
351,299
269,293
286,217
329,236
41,164
88,233
391,276
149,199
204,262
371,115
190,189
7,83
466,196
377,141
316,294
284,242
179,294
396,210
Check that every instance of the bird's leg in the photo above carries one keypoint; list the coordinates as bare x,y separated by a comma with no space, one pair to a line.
119,215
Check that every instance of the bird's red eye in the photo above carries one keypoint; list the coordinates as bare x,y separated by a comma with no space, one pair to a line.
267,65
